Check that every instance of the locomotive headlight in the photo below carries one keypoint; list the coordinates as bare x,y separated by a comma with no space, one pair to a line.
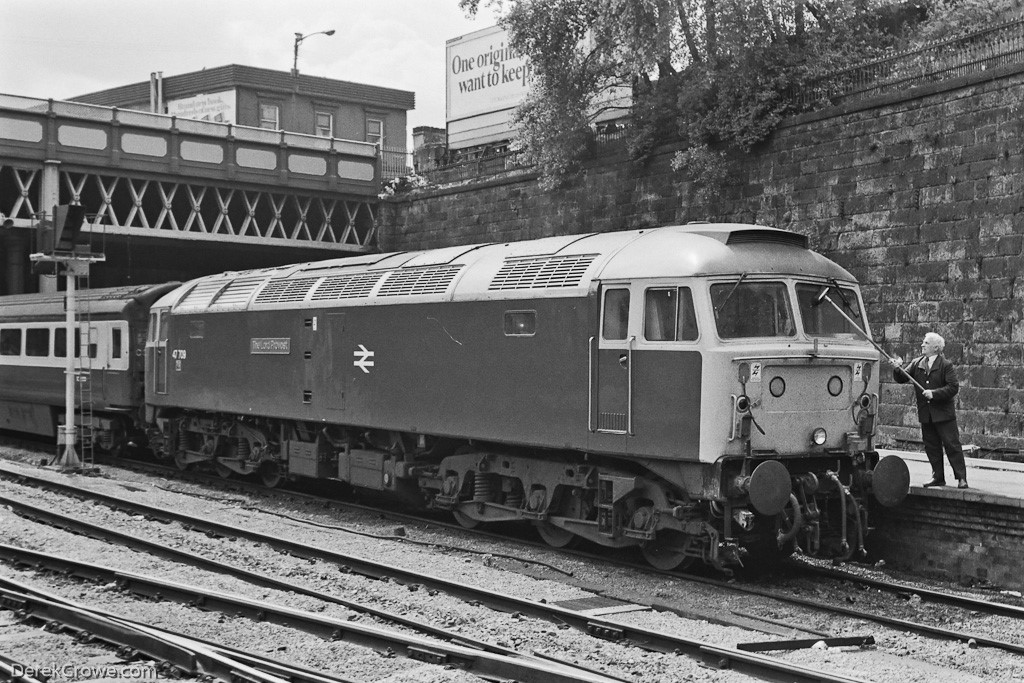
819,436
835,385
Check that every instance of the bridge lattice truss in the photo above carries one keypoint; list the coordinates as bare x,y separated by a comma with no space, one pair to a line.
194,210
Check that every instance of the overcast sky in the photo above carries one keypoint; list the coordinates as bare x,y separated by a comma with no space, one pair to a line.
64,48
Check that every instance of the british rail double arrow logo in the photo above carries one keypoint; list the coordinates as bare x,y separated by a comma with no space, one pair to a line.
363,359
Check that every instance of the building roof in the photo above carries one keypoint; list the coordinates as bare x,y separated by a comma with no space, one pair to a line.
236,75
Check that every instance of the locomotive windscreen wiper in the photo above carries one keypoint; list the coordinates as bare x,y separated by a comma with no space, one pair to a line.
719,307
839,291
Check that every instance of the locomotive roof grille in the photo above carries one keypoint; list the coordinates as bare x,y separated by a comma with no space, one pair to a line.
350,286
538,272
285,291
424,280
792,239
200,296
236,295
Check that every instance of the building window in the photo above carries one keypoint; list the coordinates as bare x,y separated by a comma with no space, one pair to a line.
324,124
270,116
375,131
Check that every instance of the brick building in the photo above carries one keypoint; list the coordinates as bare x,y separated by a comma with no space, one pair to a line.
277,100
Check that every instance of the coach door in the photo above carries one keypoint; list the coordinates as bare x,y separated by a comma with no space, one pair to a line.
611,370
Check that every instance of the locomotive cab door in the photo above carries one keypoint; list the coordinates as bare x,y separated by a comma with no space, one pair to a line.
156,350
611,364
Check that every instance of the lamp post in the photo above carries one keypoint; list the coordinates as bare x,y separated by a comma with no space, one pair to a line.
298,39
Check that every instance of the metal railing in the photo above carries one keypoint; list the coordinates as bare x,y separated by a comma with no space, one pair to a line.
968,54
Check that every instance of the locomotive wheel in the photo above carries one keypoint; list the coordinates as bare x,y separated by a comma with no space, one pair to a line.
664,551
555,536
270,474
464,520
180,462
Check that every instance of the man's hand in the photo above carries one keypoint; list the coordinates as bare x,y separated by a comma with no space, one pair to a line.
928,393
896,361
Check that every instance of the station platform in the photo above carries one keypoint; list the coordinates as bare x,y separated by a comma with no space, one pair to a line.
972,536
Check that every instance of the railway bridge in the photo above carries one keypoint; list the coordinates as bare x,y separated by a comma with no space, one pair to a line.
167,197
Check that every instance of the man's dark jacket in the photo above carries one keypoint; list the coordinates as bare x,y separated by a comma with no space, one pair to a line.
941,380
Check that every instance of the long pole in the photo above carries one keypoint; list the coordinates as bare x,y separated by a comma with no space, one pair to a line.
824,297
69,459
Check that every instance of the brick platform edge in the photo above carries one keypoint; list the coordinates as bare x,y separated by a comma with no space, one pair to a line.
962,536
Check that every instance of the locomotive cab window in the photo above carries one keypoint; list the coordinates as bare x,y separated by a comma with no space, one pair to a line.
668,315
752,309
615,323
821,318
520,323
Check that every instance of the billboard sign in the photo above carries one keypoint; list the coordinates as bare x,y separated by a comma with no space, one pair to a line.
219,107
485,81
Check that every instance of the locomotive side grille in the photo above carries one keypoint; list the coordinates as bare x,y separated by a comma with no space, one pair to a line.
768,237
236,295
425,280
200,296
351,286
612,422
285,291
541,272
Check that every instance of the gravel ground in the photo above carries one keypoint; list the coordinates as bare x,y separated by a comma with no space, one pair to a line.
898,656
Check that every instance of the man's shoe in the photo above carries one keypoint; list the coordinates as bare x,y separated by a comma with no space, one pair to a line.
935,482
961,483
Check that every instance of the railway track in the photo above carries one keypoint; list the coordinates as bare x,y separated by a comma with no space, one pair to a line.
720,657
895,588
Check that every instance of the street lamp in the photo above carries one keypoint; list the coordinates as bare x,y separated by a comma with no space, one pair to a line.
298,39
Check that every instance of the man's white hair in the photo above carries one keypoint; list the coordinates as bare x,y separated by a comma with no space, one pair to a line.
937,338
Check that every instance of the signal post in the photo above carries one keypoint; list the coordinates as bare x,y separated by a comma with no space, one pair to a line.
61,252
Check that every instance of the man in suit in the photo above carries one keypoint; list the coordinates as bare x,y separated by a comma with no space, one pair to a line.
938,385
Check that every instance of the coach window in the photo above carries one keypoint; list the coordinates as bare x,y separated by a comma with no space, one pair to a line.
37,342
10,342
616,314
669,316
115,342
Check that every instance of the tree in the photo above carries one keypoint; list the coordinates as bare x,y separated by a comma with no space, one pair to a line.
716,73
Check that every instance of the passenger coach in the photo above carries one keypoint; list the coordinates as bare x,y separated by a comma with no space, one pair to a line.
109,357
681,389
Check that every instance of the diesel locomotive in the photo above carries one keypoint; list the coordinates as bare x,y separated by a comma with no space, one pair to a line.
679,389
703,392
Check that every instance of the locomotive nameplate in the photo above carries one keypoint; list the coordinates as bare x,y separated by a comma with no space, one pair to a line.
270,345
